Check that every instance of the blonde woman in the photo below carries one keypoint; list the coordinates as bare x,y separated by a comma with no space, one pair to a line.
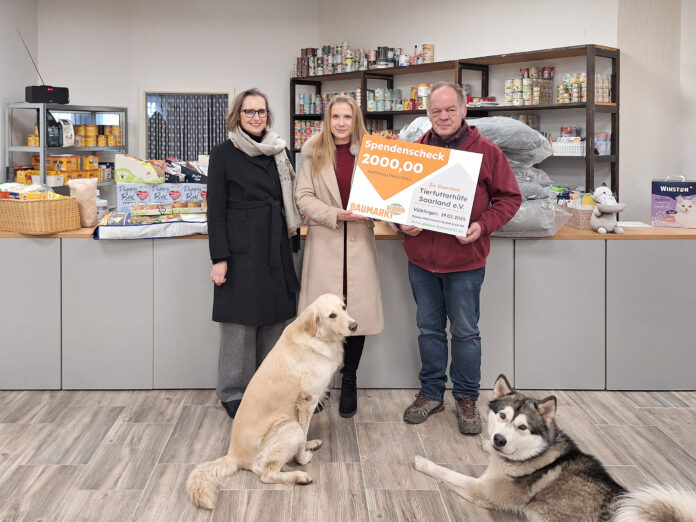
339,254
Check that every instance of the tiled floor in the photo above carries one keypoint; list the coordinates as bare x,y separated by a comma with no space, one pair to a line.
125,455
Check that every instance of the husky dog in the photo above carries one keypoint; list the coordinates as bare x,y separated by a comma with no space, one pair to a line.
537,470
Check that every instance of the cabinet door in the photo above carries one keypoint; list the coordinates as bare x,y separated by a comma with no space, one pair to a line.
30,290
107,314
651,315
497,314
559,314
186,340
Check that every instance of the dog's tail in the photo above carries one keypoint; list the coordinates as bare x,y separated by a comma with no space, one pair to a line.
653,503
204,480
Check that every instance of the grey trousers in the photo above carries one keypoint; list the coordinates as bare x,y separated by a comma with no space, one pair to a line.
242,349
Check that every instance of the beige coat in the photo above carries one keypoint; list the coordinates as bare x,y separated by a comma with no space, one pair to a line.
319,199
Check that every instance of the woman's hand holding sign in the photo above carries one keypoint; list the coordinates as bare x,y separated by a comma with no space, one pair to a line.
410,230
348,215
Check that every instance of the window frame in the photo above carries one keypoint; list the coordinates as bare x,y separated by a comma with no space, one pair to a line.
143,92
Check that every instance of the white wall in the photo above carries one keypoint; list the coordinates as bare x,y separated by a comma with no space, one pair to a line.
122,46
461,28
648,36
687,166
16,70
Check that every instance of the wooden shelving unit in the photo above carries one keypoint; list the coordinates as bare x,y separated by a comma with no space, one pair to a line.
482,65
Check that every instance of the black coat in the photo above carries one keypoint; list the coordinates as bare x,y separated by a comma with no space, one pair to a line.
246,227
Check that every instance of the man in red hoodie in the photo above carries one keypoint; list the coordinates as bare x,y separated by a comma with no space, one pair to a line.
446,272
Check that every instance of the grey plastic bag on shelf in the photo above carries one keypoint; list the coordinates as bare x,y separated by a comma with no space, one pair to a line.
414,130
522,145
532,174
532,190
535,218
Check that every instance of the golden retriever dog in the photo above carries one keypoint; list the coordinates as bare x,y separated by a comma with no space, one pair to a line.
271,425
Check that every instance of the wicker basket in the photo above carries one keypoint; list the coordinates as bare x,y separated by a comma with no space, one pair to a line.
39,217
579,218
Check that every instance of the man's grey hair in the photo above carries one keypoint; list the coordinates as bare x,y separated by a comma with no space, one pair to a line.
461,95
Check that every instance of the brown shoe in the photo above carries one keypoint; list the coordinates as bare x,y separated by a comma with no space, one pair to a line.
468,417
421,409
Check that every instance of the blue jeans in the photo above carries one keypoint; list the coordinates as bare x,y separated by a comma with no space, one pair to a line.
453,295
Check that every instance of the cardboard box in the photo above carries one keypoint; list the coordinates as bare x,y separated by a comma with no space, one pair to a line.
170,193
129,194
130,169
674,204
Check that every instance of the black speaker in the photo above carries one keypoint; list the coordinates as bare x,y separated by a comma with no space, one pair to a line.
46,94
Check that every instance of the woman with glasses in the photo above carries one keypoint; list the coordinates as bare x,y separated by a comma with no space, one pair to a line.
253,228
339,254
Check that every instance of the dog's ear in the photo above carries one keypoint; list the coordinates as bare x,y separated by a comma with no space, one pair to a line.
310,321
547,408
501,386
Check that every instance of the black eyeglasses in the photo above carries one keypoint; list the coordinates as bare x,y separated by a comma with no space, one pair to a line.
250,113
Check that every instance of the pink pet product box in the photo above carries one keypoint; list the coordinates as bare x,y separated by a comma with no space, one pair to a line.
674,203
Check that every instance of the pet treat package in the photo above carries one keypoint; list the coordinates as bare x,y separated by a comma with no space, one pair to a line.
85,192
674,203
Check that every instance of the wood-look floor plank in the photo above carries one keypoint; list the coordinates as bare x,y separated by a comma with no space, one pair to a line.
444,444
202,398
654,399
337,494
678,423
387,450
35,493
340,443
611,408
76,436
18,439
34,406
629,477
139,405
383,405
689,397
165,497
658,456
253,505
461,509
562,396
201,433
104,506
126,457
406,506
589,437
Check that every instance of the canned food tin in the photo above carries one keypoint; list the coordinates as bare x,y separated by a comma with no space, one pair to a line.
112,140
101,140
91,131
524,73
534,72
89,141
79,130
423,89
547,73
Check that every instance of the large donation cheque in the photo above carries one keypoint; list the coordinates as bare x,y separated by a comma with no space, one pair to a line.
415,184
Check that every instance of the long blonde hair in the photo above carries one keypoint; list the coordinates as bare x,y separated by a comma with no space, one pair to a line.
324,152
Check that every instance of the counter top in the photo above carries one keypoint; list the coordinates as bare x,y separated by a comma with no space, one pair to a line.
384,231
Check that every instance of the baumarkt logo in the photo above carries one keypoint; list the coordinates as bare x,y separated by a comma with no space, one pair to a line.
396,208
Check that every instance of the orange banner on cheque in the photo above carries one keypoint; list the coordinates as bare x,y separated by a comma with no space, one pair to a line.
415,184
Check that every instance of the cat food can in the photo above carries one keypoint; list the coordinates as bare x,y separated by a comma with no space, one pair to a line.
91,131
101,140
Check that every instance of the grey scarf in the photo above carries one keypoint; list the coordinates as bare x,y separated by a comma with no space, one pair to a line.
274,145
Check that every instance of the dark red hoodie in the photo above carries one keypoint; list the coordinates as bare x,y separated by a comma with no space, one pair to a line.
497,199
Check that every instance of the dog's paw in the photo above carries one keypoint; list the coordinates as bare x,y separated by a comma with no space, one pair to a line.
304,458
421,463
486,446
313,445
303,478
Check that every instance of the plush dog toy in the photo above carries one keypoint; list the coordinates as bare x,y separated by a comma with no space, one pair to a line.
603,217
